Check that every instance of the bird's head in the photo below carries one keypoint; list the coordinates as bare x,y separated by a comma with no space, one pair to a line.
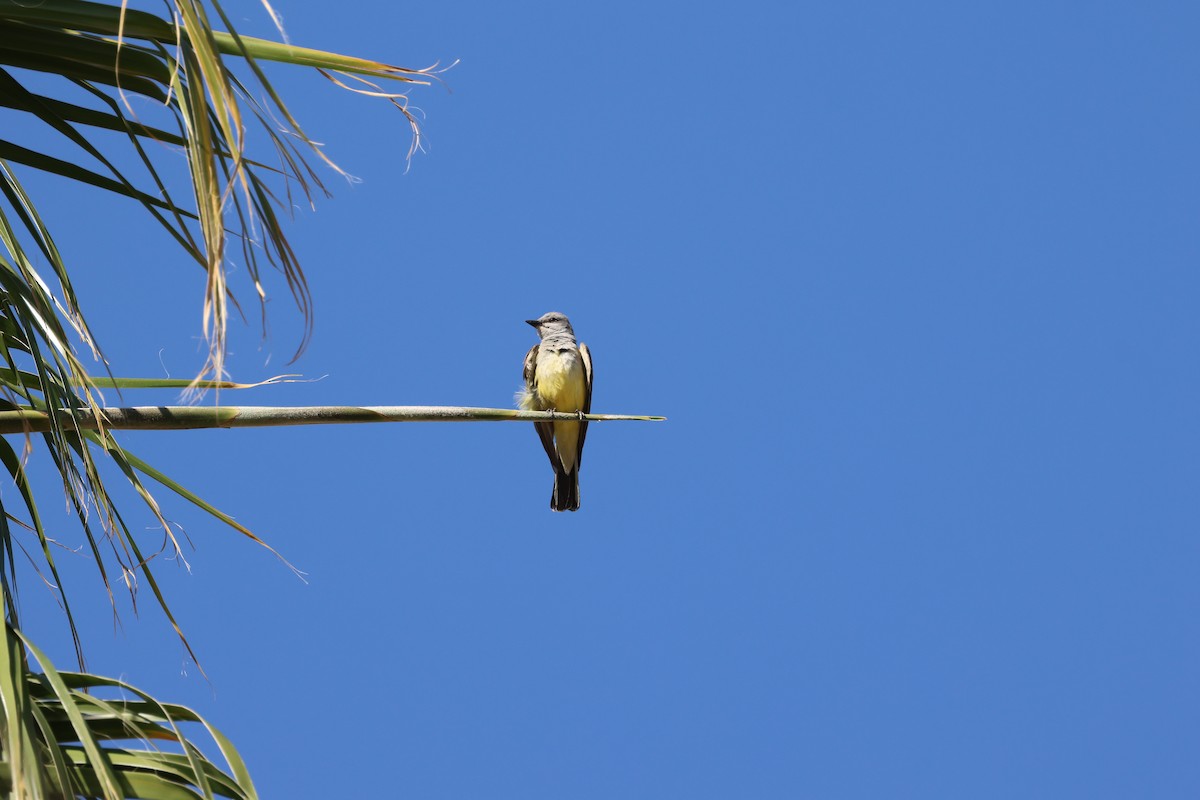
551,323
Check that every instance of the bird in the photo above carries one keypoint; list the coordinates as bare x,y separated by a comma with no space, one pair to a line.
558,377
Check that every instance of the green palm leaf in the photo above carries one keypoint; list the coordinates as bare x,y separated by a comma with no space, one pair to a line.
66,734
71,68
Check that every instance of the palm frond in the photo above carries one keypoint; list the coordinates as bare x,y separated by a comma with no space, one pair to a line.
74,67
188,68
72,734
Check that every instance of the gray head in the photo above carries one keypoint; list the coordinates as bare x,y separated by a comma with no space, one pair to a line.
551,323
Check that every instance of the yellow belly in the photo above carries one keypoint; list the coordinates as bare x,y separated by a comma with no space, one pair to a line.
562,386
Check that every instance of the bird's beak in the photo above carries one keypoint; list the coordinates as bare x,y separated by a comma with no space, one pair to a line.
532,322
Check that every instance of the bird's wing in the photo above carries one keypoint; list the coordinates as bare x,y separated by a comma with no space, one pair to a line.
530,370
587,399
545,430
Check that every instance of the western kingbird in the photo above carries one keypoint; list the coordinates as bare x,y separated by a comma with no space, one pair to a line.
558,377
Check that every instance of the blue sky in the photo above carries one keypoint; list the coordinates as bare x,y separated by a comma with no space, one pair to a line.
916,288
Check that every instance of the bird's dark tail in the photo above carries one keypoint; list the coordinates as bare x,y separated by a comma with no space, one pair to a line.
566,491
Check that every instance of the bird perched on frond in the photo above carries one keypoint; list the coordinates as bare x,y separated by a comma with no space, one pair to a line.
558,377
